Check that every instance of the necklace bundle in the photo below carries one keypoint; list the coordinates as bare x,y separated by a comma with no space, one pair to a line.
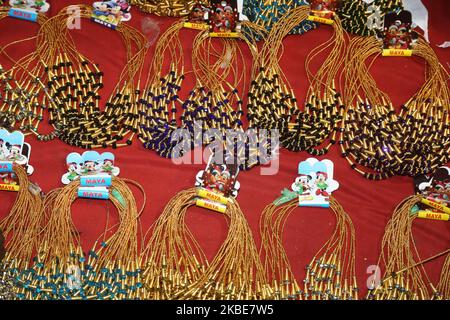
20,228
174,8
378,142
268,13
74,84
331,273
271,101
62,271
272,104
177,268
213,105
405,277
22,94
23,222
6,281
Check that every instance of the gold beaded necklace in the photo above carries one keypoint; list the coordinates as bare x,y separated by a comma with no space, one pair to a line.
376,141
22,95
331,273
61,270
405,277
177,268
74,83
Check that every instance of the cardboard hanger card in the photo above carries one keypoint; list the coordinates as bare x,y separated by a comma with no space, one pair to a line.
313,185
219,178
111,13
32,5
223,19
13,150
27,9
397,36
217,184
92,168
435,186
323,11
198,17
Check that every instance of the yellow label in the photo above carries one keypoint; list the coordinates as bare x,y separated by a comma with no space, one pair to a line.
397,53
320,20
196,26
425,214
224,34
204,193
436,205
211,205
9,187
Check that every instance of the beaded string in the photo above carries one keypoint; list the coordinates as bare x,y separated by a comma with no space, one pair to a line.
109,271
174,8
331,273
376,141
405,277
177,268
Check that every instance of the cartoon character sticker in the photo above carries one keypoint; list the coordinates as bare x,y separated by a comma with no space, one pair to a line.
89,163
397,32
315,183
111,12
302,185
219,178
198,13
33,5
324,8
11,145
223,17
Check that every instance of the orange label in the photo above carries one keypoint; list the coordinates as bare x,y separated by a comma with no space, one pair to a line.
204,193
211,205
397,53
9,187
425,214
320,20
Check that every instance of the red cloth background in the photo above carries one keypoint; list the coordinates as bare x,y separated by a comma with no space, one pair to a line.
369,203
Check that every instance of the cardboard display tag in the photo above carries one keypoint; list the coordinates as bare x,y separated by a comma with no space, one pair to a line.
434,187
217,184
92,168
323,11
397,37
13,150
111,13
198,18
223,19
313,186
27,9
